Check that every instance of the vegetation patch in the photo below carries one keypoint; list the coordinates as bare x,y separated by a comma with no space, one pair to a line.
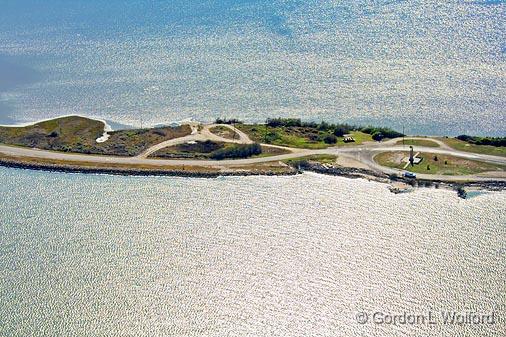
475,148
378,133
318,158
237,151
209,150
227,121
224,132
193,150
79,134
492,141
292,132
54,134
437,164
134,142
418,142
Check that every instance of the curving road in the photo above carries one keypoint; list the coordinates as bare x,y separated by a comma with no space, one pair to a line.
200,136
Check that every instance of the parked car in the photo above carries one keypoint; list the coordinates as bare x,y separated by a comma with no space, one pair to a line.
409,175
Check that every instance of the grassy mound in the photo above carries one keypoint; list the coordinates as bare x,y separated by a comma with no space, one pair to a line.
79,134
55,134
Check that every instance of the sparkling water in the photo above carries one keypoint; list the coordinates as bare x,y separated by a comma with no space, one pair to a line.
97,255
433,67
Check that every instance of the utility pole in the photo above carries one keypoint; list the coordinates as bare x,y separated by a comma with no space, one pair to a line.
403,136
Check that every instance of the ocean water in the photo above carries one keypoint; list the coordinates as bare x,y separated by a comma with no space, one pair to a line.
433,67
98,255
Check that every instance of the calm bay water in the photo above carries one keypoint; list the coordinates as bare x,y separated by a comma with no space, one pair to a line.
97,255
435,67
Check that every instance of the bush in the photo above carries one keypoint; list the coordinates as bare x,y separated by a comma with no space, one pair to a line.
464,138
377,136
228,121
237,151
270,137
207,146
324,126
330,139
159,132
381,133
493,141
340,131
286,122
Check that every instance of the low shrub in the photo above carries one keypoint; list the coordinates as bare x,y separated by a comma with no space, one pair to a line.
330,139
379,133
493,141
237,151
228,121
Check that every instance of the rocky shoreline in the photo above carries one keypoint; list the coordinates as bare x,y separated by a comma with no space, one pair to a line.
355,173
139,172
398,184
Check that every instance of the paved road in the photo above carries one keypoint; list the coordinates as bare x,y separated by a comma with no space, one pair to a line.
363,153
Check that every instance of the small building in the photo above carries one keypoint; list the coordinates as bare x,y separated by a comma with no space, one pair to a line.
349,139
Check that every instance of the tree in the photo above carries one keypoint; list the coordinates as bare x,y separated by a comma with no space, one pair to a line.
330,139
340,131
377,136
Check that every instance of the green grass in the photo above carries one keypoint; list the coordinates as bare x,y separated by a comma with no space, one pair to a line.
418,142
360,137
467,147
297,137
444,165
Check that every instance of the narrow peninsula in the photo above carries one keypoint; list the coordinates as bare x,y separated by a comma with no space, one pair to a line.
280,146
